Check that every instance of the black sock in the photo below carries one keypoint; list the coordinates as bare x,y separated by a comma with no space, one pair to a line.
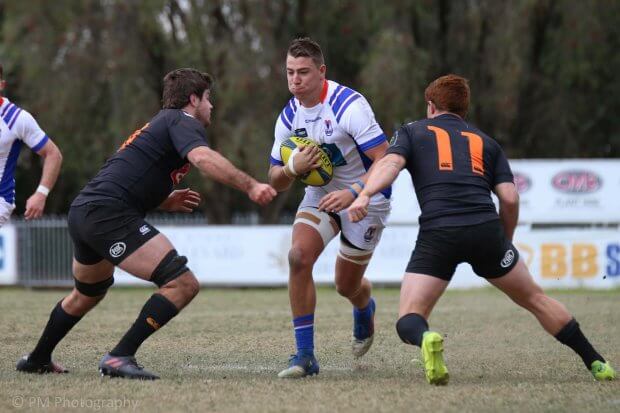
572,336
58,325
157,311
411,328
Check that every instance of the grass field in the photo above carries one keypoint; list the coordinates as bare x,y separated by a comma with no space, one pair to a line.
223,352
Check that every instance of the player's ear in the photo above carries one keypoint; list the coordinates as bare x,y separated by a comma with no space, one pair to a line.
194,99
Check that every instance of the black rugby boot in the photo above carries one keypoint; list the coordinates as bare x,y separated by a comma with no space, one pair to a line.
124,366
27,365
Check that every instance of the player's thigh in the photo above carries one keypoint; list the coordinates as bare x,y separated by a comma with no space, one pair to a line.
518,284
312,231
489,252
419,293
147,257
92,273
117,234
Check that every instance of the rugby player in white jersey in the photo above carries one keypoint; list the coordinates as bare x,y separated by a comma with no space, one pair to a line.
17,127
342,122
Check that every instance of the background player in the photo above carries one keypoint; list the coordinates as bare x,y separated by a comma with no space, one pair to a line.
106,223
342,122
454,168
17,127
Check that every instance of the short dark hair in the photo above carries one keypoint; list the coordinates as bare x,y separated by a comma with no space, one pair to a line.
449,93
180,84
306,47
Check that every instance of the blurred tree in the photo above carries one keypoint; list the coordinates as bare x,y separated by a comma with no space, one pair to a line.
542,74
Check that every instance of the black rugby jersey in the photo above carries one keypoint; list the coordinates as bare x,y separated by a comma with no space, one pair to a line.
454,168
150,162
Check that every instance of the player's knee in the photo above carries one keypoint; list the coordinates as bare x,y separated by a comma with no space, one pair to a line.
346,288
90,291
85,296
298,260
536,301
171,267
189,286
411,327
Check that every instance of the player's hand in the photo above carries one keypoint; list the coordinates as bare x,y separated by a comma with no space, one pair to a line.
307,159
336,201
261,193
181,200
35,206
359,208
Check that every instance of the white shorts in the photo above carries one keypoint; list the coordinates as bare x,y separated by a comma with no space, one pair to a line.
364,234
6,210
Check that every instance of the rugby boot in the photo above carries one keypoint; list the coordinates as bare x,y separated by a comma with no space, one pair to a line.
363,332
602,371
124,366
300,365
27,365
432,355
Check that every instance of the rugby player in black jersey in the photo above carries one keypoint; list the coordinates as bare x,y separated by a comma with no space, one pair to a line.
107,226
454,168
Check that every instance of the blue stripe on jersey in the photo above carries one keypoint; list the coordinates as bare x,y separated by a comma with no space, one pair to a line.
285,121
289,110
41,143
14,119
7,184
341,98
367,162
274,161
10,113
373,142
346,105
5,108
338,89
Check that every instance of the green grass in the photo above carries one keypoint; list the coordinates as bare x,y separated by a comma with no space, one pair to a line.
223,352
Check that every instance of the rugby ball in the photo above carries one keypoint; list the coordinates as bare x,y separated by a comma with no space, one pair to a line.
316,177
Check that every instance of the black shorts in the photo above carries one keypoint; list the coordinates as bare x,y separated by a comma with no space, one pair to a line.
107,230
484,246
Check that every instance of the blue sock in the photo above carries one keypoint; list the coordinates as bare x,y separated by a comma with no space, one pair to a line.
362,320
304,333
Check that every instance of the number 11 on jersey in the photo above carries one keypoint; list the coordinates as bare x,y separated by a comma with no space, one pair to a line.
444,150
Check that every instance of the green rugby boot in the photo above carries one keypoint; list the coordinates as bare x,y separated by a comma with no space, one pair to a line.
432,355
602,371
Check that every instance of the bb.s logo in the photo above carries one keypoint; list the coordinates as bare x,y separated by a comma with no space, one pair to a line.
178,174
117,249
577,182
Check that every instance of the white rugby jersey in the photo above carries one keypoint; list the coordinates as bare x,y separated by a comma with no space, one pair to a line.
344,125
16,127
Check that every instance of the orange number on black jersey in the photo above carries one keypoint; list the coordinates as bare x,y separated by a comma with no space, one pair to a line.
132,137
444,150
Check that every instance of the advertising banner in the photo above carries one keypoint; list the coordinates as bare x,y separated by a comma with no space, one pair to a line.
8,257
257,256
551,191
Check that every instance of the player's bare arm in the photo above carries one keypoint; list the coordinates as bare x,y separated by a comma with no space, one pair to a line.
214,165
382,175
181,200
338,200
508,206
52,160
307,159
